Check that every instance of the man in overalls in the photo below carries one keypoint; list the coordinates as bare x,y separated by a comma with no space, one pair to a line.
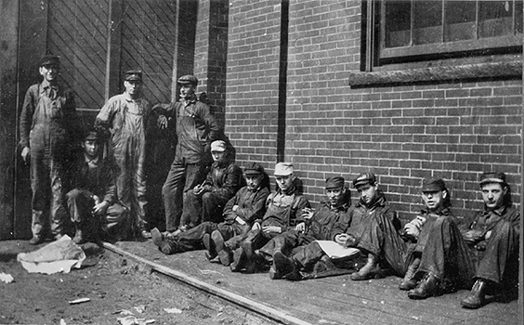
49,127
195,128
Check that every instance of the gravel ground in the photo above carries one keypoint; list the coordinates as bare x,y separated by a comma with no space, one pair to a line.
117,288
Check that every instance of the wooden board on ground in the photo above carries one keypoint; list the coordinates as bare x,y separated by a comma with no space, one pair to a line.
332,300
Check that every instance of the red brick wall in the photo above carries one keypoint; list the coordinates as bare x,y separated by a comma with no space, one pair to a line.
452,131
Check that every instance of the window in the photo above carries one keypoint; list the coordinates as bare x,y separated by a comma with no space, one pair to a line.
415,30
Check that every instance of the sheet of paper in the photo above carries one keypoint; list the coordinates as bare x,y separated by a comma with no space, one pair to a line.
334,250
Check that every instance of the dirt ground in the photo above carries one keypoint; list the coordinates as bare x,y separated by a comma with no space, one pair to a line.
114,285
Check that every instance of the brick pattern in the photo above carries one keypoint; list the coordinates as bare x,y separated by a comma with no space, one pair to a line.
404,134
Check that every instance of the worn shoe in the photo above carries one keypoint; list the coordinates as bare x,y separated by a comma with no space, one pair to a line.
239,260
146,234
429,286
37,239
368,271
409,282
210,247
79,237
476,297
282,265
225,256
157,236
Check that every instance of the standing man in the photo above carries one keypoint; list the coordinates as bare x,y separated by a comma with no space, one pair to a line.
126,116
493,240
49,126
92,201
195,128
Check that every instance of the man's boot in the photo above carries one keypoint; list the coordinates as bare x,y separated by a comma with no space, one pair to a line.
367,271
209,244
37,239
476,296
79,235
158,240
429,286
284,268
239,260
409,281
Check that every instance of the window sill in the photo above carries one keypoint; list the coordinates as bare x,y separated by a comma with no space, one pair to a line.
490,70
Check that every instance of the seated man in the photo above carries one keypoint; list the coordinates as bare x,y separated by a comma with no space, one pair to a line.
92,201
493,240
207,200
372,206
248,204
330,219
438,253
283,207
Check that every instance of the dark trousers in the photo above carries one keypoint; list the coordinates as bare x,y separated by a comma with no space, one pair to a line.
255,237
201,208
285,243
182,178
307,256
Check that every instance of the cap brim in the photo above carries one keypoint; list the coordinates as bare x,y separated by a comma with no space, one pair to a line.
492,180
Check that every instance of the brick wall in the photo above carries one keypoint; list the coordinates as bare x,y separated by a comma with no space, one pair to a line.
404,134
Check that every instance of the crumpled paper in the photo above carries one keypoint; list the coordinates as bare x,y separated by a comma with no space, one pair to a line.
58,256
132,320
7,278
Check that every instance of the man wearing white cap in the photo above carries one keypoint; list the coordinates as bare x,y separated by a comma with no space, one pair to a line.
283,212
207,200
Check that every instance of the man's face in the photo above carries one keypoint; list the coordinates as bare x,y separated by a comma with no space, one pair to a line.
50,72
187,91
218,155
493,195
91,148
284,182
434,200
253,181
368,193
133,87
334,194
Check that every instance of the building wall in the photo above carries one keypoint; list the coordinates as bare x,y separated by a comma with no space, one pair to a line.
404,134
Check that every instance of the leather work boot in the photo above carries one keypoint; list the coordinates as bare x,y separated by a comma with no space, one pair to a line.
239,260
475,298
37,239
210,247
282,265
429,286
367,271
218,240
409,281
158,240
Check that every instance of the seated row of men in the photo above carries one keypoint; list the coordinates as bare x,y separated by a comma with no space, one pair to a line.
435,253
256,229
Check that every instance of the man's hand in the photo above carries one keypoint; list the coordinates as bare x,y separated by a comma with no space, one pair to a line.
301,227
100,208
26,153
345,240
473,236
234,208
199,189
255,226
271,229
162,122
240,221
411,230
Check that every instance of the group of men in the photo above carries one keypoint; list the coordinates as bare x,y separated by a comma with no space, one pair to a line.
211,204
95,181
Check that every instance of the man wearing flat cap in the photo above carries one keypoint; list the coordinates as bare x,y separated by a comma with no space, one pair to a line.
239,213
493,238
49,130
92,202
195,128
332,218
283,213
126,117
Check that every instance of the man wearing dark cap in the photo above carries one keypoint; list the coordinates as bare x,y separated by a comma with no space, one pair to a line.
49,129
332,218
247,205
195,128
126,118
92,203
493,238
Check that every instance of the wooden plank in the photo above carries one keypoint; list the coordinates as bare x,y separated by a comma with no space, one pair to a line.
8,117
332,300
114,51
242,301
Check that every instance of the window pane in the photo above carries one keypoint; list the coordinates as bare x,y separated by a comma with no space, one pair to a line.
428,22
495,18
398,23
460,20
